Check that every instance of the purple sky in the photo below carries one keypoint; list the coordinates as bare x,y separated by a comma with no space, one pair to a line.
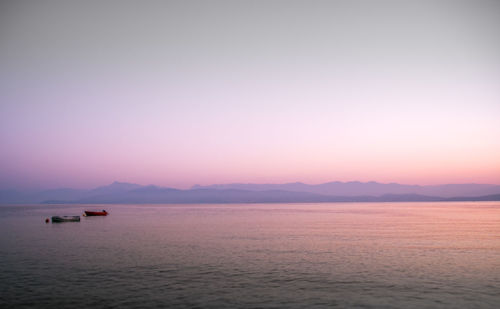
179,93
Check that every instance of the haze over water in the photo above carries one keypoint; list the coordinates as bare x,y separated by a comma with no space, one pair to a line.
385,255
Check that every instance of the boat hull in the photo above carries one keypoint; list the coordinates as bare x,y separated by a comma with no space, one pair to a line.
58,219
96,213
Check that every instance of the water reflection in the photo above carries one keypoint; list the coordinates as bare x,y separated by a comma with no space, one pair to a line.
274,255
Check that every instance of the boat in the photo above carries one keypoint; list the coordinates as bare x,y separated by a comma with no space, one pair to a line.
96,213
65,218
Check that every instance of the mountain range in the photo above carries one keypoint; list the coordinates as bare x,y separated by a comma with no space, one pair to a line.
372,188
127,193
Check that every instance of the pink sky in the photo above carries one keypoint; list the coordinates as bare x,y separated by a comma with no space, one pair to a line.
268,136
181,101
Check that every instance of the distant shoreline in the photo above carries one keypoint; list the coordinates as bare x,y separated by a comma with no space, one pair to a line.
243,203
489,198
332,192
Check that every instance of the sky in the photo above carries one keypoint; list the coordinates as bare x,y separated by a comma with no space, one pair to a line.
177,93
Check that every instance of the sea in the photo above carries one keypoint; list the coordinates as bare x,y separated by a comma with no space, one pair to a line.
325,255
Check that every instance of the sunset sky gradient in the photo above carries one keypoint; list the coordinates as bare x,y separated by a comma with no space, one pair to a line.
201,92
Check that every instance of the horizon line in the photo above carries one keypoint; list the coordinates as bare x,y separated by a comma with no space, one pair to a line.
245,183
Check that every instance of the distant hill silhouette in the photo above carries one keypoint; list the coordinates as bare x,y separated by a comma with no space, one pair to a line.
355,188
127,193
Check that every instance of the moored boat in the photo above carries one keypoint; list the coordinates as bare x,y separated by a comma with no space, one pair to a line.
96,213
65,218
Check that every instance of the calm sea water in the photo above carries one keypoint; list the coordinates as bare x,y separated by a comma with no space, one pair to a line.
386,255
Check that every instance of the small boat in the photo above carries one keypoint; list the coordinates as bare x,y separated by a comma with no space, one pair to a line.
65,218
96,213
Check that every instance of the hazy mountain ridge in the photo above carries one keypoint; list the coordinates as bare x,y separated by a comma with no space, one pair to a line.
127,193
356,188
